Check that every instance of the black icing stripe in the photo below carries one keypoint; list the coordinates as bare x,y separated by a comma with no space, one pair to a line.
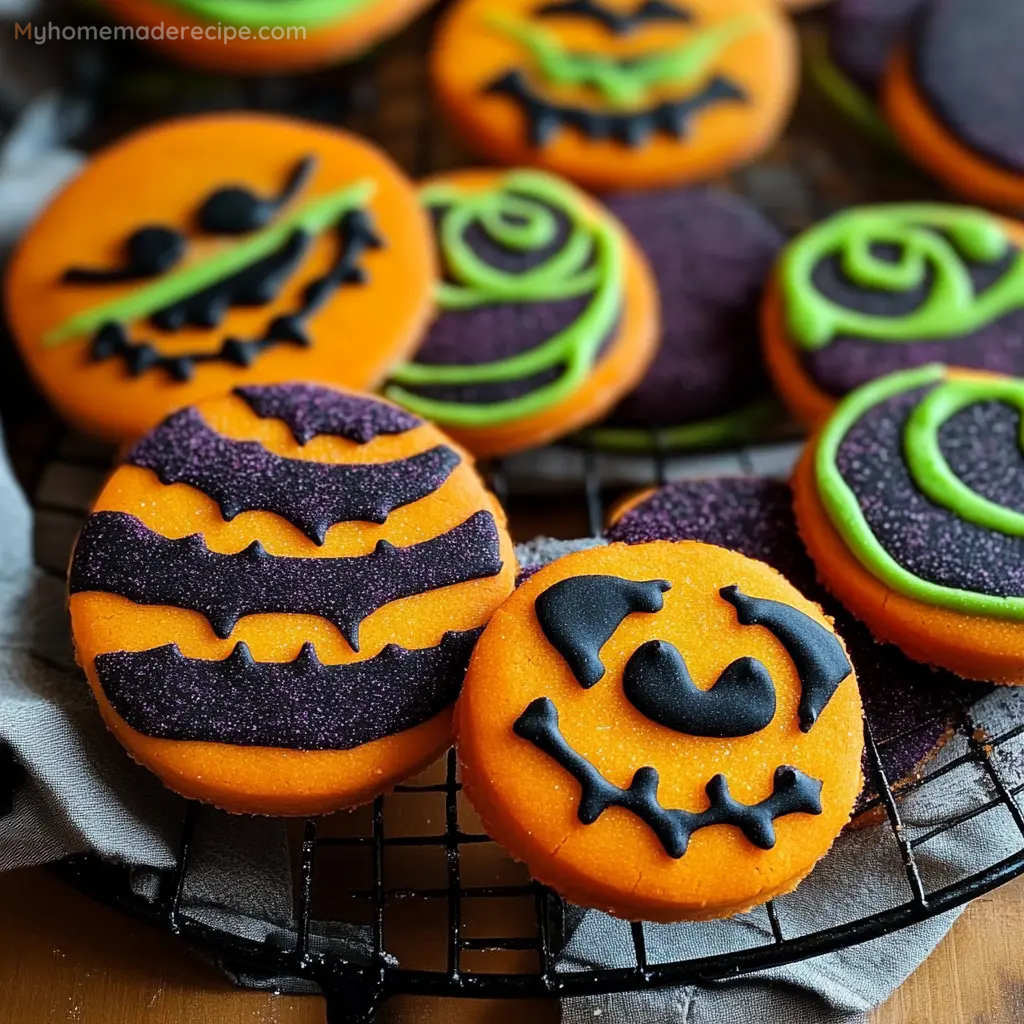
619,23
579,615
118,554
793,792
300,705
820,660
658,684
243,476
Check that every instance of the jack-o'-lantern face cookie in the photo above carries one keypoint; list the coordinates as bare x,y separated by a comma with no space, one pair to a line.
666,731
954,95
617,93
213,252
263,36
911,503
548,312
876,289
276,597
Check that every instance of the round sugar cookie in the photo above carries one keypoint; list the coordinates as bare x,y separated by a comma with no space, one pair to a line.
548,312
217,251
662,731
617,93
910,500
876,289
275,598
263,37
910,707
710,252
954,95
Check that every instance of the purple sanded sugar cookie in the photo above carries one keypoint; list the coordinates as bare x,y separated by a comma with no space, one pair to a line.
711,253
909,706
967,68
928,540
309,410
243,476
863,34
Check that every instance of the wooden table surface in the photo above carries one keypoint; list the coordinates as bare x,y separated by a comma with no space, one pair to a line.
64,958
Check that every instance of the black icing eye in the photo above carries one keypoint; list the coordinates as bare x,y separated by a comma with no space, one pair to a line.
149,251
236,210
620,23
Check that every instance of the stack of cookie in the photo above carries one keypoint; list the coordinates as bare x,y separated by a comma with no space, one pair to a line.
297,569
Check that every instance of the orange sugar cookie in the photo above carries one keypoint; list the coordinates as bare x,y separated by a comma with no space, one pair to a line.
910,500
617,93
666,731
215,251
275,598
548,313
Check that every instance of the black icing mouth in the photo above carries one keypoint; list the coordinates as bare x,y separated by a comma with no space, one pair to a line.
631,128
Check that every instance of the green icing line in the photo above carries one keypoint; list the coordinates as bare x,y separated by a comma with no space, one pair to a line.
518,214
315,217
928,465
951,309
273,13
848,518
732,428
625,82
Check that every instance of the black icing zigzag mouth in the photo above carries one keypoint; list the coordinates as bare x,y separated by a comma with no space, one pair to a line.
633,128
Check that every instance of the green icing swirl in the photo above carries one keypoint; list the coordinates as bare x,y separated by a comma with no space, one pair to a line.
273,13
518,215
626,82
930,473
952,308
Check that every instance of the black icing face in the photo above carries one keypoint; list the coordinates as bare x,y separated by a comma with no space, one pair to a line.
264,241
579,615
610,72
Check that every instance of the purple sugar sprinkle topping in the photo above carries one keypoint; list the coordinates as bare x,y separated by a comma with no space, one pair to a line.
909,706
310,410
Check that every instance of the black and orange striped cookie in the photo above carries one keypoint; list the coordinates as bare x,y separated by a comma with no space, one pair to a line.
276,597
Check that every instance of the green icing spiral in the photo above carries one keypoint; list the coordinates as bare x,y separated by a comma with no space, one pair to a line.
273,13
929,238
519,215
930,472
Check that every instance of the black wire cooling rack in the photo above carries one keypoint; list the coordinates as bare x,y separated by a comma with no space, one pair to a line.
386,97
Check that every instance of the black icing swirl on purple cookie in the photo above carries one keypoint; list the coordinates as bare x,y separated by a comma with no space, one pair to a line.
243,476
710,253
930,541
847,362
967,67
909,706
117,554
310,411
301,705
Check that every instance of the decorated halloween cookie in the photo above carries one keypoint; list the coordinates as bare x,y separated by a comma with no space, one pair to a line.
276,596
548,312
218,251
875,289
617,93
663,731
710,253
263,37
954,94
910,707
910,500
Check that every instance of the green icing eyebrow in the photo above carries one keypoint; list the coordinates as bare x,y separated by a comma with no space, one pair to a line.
274,13
951,309
625,81
929,472
314,217
519,215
